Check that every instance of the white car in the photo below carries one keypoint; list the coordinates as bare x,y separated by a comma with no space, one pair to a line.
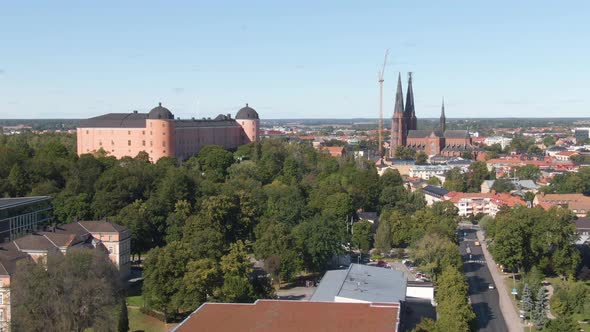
491,286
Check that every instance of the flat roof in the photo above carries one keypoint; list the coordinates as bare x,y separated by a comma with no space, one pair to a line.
362,283
291,316
6,203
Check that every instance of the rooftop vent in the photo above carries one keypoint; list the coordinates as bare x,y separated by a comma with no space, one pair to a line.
134,111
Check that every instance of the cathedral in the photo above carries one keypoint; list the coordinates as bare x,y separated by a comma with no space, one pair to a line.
438,141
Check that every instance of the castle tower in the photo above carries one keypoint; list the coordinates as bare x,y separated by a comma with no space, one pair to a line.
398,122
410,111
442,124
248,118
161,129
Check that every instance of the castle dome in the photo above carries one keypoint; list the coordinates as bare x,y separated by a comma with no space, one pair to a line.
247,113
160,113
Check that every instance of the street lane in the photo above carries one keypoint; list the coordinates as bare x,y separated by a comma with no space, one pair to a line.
484,301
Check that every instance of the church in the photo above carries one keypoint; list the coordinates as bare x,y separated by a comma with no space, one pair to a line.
435,142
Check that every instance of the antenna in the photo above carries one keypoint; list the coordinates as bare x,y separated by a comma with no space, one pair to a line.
381,74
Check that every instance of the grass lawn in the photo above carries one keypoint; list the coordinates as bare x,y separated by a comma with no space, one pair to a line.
134,294
135,301
140,321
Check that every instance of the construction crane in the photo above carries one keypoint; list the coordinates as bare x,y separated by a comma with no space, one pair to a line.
381,74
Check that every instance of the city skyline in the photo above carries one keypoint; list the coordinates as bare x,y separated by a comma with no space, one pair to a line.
305,60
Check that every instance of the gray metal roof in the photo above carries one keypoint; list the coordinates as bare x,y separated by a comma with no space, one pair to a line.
247,113
6,203
435,190
116,120
362,283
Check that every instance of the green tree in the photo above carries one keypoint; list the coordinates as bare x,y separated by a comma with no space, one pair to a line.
201,281
455,180
79,290
562,324
403,152
528,172
421,158
549,141
19,180
362,236
539,315
214,161
503,186
383,237
319,239
164,269
434,254
478,172
527,300
453,310
123,324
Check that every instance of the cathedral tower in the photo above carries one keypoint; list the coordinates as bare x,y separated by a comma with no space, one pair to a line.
442,125
398,122
410,111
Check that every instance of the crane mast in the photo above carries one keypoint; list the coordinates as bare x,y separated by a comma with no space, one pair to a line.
381,75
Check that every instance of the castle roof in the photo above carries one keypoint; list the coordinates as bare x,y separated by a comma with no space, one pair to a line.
160,113
247,113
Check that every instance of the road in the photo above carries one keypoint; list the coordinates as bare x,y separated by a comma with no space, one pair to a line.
484,301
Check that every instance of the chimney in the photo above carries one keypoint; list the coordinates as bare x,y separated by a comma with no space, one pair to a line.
134,111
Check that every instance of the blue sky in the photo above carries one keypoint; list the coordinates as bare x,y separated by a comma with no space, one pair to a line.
297,59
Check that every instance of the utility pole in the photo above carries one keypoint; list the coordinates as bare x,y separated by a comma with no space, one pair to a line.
381,74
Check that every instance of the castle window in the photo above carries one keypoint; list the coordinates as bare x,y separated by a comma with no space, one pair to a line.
129,142
128,132
164,133
163,125
86,132
151,143
112,142
100,143
164,143
143,132
143,143
164,151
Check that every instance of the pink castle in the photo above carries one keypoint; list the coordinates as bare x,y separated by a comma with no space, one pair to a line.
160,135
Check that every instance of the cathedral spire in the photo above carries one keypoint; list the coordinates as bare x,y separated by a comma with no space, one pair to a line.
410,111
398,122
399,96
443,119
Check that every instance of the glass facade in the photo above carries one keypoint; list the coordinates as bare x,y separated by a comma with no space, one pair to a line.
20,219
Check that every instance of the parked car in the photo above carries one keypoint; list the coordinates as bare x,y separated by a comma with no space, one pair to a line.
381,263
491,286
477,244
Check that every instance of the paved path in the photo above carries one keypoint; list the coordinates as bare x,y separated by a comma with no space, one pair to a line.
507,308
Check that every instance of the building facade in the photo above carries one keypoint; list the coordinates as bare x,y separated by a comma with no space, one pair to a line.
161,135
22,215
439,141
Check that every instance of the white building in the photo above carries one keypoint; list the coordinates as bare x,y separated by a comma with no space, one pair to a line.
503,141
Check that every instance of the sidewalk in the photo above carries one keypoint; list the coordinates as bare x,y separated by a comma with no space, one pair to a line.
508,310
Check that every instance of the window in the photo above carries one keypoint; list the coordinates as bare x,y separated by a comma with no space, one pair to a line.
1,298
163,125
86,132
1,315
129,142
143,143
151,143
128,132
164,133
164,143
100,143
143,132
112,142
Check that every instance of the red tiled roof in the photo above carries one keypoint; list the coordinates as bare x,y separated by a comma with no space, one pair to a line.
290,316
499,198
